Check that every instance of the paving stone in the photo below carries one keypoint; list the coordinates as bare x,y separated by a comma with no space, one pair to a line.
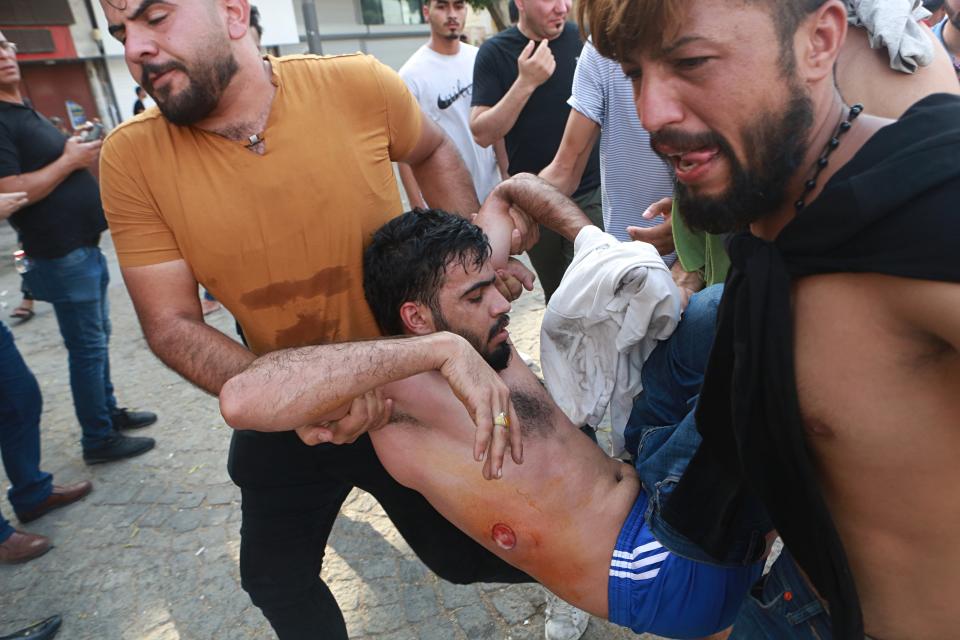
191,499
454,596
384,618
114,495
184,521
475,621
374,568
420,603
380,592
512,606
223,495
155,516
438,630
405,633
150,493
131,514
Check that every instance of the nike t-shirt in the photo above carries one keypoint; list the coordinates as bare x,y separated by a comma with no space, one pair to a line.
443,85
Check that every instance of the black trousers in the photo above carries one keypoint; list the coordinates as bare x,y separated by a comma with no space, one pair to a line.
291,496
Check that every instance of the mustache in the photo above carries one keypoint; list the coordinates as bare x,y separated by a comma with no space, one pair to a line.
682,141
156,69
500,326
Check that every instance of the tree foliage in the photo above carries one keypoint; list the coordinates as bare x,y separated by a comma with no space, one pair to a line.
496,9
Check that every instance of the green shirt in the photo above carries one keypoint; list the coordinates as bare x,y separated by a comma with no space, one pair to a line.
699,251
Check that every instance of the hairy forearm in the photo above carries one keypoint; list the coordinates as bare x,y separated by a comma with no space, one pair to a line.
544,203
410,185
445,182
495,122
40,183
201,354
295,387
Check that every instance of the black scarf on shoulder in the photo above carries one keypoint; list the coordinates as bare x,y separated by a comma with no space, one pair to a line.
894,209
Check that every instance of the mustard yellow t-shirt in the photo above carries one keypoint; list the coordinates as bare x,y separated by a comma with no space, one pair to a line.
278,238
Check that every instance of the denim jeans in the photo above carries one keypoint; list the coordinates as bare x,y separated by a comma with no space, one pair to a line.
76,285
20,407
661,433
782,606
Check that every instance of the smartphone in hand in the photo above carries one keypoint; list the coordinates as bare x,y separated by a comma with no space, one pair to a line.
93,133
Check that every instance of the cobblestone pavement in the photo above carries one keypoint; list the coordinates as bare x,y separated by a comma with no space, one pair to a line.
152,553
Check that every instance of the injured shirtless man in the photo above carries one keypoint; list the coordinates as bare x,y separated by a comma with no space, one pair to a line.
569,516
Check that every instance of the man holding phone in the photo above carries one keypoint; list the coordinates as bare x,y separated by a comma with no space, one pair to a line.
60,229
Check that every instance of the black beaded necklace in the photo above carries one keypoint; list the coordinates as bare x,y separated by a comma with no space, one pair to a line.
822,161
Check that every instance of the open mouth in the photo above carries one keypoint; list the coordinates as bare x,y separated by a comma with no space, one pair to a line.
690,165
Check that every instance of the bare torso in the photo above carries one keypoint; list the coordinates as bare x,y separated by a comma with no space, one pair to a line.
880,397
565,504
864,75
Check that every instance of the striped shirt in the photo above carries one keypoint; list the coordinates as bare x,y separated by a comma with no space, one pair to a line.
632,176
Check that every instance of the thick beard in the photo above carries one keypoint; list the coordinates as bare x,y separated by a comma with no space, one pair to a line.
775,149
498,358
200,98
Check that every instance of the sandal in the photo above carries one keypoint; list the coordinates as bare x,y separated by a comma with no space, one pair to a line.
23,314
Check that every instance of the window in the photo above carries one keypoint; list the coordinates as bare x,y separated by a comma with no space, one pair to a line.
29,12
391,11
32,40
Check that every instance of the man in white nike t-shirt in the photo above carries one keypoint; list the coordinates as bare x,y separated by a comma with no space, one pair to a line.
440,76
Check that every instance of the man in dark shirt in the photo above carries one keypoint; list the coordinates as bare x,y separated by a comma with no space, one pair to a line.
138,106
522,79
60,229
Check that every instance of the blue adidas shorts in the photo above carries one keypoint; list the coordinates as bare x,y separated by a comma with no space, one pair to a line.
652,590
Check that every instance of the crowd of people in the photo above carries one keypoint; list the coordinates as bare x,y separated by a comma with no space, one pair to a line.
741,218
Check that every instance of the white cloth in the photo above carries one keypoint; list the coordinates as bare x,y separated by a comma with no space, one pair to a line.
443,85
894,24
615,302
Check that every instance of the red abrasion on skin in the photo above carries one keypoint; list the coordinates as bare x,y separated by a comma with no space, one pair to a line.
503,536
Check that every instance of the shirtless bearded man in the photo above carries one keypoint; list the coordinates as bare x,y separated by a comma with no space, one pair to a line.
569,515
831,392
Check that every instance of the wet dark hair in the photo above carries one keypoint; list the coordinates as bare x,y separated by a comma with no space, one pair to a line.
408,258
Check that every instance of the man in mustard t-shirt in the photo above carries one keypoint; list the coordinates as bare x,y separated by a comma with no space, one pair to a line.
264,179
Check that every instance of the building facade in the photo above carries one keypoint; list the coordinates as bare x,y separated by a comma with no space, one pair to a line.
73,70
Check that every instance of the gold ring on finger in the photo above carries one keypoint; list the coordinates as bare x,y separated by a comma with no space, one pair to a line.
502,420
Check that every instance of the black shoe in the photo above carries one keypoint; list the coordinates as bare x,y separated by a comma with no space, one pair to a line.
124,419
117,448
40,631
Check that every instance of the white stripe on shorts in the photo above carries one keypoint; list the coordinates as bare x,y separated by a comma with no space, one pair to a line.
650,546
646,575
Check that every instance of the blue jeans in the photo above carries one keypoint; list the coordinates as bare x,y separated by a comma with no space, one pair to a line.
20,407
662,436
782,606
76,285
